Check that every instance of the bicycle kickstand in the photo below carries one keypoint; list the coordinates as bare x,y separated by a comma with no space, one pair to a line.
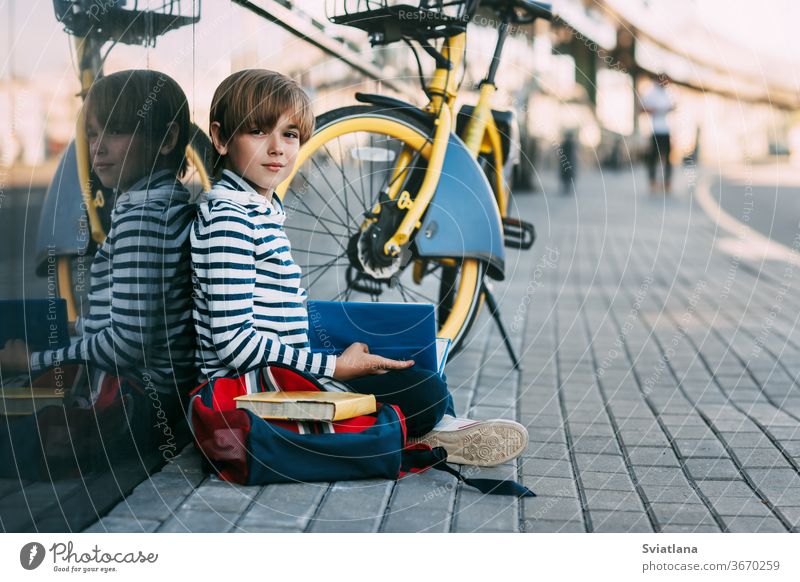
492,305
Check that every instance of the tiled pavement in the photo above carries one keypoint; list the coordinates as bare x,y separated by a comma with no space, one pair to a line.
658,387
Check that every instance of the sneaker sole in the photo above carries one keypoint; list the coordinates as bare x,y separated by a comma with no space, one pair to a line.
490,443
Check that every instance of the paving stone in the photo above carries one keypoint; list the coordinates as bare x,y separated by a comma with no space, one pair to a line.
581,430
712,468
792,515
352,506
546,467
546,435
546,526
653,456
740,438
762,458
284,506
199,521
743,524
620,521
550,486
689,528
740,506
609,481
252,528
774,478
221,497
551,508
613,500
546,451
670,494
789,496
683,513
146,507
110,524
476,512
662,476
690,447
600,463
731,488
595,444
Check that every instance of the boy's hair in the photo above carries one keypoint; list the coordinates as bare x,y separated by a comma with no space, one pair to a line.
258,98
145,102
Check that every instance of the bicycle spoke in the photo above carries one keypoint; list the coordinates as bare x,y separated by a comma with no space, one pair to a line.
402,292
336,297
341,155
362,199
323,225
327,263
417,293
324,270
321,197
324,254
345,182
317,216
312,230
371,172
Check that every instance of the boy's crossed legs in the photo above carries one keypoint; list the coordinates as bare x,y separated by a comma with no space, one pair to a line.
427,404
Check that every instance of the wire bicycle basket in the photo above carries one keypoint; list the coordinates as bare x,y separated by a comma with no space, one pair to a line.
125,21
388,21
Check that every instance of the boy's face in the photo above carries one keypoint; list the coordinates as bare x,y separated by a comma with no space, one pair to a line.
119,159
264,159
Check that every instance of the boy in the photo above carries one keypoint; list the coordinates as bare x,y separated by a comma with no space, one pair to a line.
139,322
249,306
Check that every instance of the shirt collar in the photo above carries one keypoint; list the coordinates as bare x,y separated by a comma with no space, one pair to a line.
161,185
231,186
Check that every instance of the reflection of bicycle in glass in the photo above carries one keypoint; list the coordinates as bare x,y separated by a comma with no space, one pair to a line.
77,210
391,202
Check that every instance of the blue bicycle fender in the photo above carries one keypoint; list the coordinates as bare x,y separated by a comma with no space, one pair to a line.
462,219
63,226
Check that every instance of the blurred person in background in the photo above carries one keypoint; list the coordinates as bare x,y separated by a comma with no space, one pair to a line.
658,103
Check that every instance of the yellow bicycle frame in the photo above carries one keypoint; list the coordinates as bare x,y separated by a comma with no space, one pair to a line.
481,136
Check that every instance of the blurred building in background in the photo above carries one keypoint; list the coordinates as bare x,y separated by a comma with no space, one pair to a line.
583,73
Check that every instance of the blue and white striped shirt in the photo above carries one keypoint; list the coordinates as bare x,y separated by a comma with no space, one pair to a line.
248,303
140,303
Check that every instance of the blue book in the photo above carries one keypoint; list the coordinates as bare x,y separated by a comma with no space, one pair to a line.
399,331
42,323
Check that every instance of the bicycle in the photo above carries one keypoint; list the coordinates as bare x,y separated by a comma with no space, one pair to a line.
411,186
92,24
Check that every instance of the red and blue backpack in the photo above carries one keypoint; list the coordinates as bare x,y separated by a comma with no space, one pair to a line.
241,447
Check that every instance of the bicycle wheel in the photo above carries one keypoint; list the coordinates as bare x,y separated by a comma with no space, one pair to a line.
356,155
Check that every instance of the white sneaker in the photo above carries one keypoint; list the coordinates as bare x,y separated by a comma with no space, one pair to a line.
484,443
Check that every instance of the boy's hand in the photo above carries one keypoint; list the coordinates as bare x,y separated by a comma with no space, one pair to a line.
356,361
14,357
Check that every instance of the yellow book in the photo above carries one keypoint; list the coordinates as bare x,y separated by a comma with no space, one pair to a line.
307,405
27,400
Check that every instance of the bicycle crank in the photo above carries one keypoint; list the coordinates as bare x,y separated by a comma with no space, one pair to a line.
365,249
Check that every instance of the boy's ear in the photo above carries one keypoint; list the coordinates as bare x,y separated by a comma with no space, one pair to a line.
216,138
170,139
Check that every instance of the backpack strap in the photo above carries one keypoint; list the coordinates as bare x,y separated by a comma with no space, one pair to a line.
416,458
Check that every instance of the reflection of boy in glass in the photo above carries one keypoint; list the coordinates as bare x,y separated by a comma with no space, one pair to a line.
139,325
